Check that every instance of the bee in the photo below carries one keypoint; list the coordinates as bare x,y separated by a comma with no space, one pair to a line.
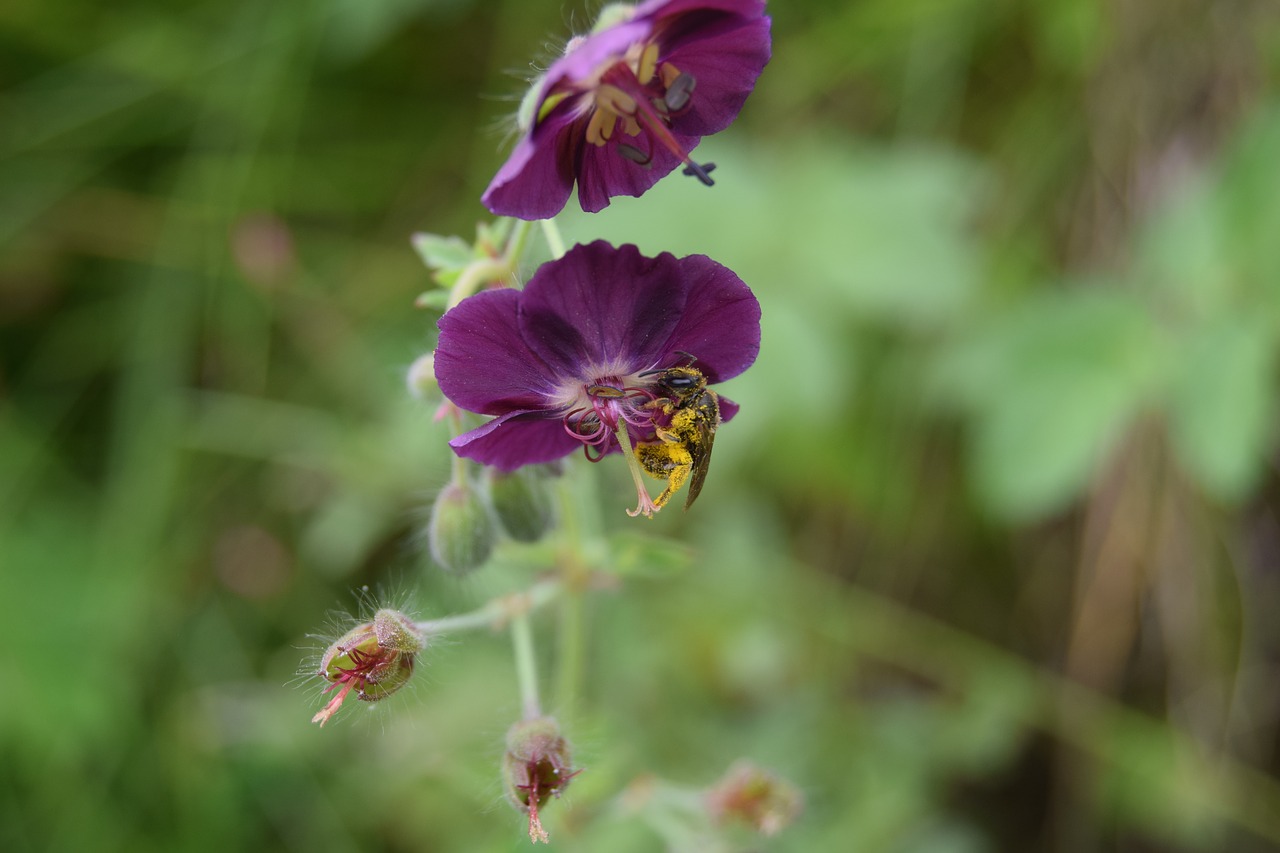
683,451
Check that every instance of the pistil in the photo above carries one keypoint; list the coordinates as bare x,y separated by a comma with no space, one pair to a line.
646,505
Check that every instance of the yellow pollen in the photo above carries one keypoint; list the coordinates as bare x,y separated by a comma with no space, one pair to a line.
613,98
648,62
631,126
600,128
669,74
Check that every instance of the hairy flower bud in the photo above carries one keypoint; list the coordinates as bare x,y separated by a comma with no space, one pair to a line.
522,502
535,768
375,659
461,531
420,379
756,797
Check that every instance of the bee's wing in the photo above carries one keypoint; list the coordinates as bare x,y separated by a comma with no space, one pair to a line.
702,451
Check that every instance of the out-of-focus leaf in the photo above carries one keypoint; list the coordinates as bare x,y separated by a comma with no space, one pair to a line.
1049,387
359,26
877,235
433,300
1251,205
1222,398
1149,782
439,252
640,555
1182,255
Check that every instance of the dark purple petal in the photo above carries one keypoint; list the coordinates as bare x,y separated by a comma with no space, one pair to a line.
537,178
725,59
660,10
481,361
728,409
603,306
585,58
720,324
516,439
603,173
723,44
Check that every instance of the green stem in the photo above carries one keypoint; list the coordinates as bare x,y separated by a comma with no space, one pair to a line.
526,666
499,611
476,274
572,648
516,243
554,241
459,467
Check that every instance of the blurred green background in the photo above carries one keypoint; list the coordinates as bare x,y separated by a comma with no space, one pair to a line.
985,563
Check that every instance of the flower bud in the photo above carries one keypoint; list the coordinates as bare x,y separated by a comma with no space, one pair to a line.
535,767
460,531
421,377
375,659
522,502
756,797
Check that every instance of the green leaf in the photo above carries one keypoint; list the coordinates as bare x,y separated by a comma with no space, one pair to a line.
1049,388
1221,401
433,300
442,253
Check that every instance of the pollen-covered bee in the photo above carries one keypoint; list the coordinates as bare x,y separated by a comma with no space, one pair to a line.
684,446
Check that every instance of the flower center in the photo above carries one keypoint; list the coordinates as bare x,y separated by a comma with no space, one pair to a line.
642,96
600,406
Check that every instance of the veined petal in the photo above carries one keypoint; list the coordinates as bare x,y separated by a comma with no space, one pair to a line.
663,9
537,178
717,47
516,439
602,174
599,306
720,323
481,361
726,59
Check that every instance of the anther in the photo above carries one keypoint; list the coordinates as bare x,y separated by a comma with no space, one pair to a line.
679,91
634,154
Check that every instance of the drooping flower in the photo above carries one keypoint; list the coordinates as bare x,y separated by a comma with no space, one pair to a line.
627,103
562,364
536,767
374,659
753,796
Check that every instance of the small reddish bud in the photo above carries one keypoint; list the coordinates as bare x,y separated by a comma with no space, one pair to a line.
763,801
535,768
374,659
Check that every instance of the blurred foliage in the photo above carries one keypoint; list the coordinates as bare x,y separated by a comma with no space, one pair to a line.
985,562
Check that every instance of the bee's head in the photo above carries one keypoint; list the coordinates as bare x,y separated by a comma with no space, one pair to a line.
679,381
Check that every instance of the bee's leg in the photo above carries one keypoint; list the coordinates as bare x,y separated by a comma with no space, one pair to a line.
666,461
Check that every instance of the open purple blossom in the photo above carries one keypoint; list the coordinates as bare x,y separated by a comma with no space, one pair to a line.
627,103
562,364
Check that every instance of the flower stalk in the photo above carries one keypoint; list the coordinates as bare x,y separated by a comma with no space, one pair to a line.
526,667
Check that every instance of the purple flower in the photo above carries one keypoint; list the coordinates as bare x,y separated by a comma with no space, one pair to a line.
626,104
560,364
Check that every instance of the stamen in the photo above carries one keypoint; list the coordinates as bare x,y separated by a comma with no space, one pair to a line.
646,505
614,96
600,127
648,64
669,74
615,100
679,92
634,154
